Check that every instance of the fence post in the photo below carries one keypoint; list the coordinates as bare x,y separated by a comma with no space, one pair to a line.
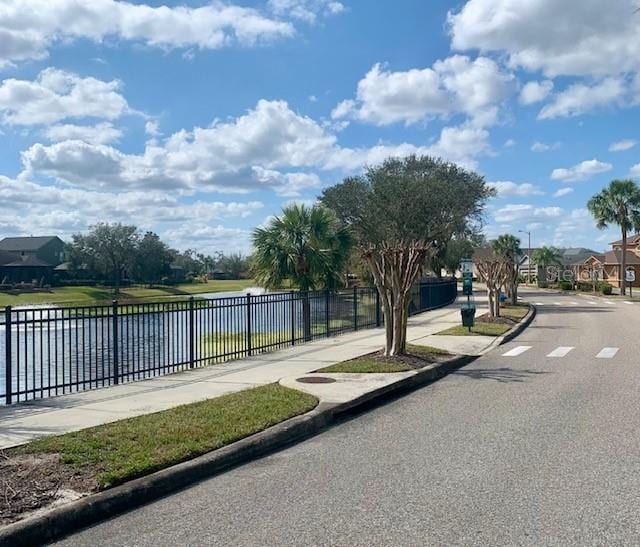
377,308
355,308
116,343
249,348
7,350
293,317
192,337
326,311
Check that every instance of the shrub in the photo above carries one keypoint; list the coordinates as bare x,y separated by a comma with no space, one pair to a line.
566,286
606,288
585,286
543,284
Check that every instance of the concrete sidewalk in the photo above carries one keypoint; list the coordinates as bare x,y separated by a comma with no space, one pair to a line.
26,421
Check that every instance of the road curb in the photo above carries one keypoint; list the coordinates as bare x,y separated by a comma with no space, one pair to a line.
61,521
515,331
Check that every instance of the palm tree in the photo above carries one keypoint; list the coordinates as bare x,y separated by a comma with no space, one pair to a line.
507,246
618,203
546,256
304,246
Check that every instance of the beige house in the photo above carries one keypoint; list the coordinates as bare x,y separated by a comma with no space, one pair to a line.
609,264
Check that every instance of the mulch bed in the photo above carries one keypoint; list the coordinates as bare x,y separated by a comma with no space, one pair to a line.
29,482
413,361
502,320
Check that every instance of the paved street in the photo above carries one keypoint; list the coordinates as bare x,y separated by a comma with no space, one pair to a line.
537,443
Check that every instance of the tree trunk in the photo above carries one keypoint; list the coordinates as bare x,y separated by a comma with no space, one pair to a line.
623,266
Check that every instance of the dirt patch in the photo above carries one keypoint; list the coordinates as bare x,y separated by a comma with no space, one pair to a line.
30,482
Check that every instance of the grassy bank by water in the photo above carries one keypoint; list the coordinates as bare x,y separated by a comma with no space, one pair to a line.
67,296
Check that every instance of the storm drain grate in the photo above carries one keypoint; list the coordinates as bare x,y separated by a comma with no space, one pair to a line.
316,380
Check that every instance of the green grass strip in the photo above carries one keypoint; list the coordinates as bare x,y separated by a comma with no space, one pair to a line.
479,329
123,450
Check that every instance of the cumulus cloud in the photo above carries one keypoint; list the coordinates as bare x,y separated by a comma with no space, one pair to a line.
64,210
635,170
101,133
544,147
56,95
306,10
524,212
508,188
29,27
270,147
559,38
580,98
534,92
581,171
562,192
452,86
621,146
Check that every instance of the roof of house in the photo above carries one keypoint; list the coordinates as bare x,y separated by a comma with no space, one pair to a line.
27,261
31,243
577,255
6,257
598,256
631,240
615,257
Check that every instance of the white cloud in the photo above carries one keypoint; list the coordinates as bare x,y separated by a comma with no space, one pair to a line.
585,38
635,170
102,133
29,27
580,98
525,213
563,192
456,85
509,143
621,146
544,147
152,128
534,92
306,10
56,95
508,189
581,171
65,211
270,147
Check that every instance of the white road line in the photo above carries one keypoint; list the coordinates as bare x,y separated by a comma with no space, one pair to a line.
573,303
558,303
516,351
560,351
539,304
627,302
609,302
607,353
593,302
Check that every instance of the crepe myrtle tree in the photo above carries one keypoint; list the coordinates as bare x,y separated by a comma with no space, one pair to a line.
494,270
507,246
401,211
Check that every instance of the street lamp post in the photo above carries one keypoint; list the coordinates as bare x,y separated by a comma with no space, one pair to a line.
528,256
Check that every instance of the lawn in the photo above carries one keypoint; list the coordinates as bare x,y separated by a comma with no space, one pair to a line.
67,296
375,363
479,329
120,451
516,312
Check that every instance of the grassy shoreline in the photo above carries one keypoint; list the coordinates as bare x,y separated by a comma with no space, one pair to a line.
69,296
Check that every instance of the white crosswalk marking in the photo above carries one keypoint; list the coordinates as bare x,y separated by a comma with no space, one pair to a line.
607,353
539,304
609,302
560,351
518,350
558,303
573,303
627,302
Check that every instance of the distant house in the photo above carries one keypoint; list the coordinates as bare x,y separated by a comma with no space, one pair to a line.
609,264
28,259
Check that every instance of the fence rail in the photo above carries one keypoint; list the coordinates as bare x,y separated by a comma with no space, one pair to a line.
52,351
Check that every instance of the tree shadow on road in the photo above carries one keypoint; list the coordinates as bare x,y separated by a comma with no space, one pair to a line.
502,374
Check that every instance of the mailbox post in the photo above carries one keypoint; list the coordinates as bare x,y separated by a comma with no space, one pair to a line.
468,308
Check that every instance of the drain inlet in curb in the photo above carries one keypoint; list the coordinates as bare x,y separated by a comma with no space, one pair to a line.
316,380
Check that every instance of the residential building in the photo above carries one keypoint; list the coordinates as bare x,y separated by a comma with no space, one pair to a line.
30,259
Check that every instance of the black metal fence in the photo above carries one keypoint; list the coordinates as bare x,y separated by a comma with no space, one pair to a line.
52,351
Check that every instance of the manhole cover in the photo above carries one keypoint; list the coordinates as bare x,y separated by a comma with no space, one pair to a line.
315,380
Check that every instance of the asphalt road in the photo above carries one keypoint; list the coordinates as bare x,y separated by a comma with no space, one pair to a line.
522,449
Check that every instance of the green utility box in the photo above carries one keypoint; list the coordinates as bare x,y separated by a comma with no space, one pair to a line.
468,312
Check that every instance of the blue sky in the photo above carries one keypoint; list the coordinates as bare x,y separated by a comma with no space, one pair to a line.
199,120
